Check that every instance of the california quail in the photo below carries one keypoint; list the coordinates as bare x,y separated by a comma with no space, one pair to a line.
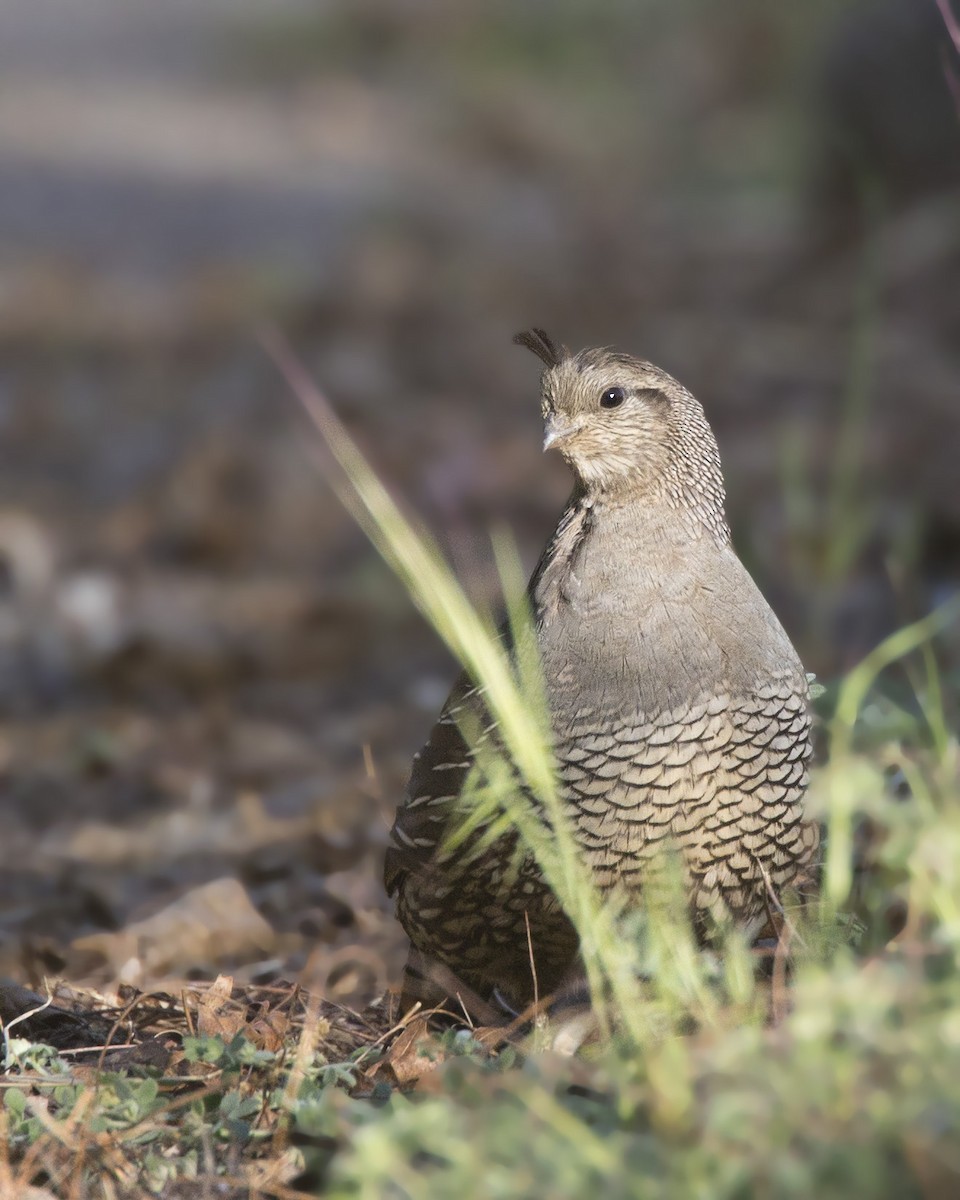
678,705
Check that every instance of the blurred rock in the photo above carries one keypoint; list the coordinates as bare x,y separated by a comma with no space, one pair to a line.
211,924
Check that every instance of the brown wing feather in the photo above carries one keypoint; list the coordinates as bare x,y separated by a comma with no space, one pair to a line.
436,779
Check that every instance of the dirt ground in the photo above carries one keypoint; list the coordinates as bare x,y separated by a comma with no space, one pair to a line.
210,689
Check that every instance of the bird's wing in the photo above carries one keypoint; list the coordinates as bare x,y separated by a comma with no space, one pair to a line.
436,780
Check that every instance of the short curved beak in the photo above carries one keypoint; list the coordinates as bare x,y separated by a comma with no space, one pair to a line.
556,431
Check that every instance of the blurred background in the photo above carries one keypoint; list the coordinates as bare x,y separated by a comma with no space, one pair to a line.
210,689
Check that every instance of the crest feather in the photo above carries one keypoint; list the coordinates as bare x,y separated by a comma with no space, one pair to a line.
542,346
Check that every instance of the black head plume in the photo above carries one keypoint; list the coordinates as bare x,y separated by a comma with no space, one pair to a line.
541,345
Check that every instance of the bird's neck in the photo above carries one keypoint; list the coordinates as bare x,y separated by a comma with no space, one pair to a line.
684,503
692,488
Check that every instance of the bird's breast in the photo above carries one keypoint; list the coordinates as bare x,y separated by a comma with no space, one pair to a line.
657,635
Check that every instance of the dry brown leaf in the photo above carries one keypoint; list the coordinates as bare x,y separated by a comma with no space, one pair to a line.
216,1015
269,1030
280,1169
407,1060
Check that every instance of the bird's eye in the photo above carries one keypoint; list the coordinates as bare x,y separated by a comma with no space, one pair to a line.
612,398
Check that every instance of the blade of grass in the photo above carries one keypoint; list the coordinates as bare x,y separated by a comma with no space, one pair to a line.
847,779
861,679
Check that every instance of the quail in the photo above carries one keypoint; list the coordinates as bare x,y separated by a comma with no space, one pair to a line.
678,706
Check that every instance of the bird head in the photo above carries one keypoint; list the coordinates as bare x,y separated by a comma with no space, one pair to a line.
626,427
